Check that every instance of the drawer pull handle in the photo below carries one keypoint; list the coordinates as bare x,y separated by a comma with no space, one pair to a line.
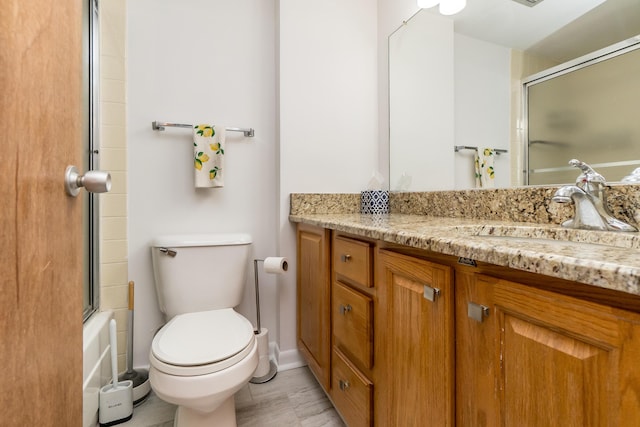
344,309
430,293
477,312
344,385
345,257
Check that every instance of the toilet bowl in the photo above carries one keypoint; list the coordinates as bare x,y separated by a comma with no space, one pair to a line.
207,351
199,361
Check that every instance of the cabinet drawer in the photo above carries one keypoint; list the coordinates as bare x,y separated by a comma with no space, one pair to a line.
352,324
351,391
352,259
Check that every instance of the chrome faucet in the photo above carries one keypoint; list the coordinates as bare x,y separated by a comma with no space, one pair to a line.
590,199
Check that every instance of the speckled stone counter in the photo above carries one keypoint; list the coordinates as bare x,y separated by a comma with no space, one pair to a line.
522,204
609,260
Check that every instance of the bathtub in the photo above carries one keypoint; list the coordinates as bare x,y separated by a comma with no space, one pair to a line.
96,364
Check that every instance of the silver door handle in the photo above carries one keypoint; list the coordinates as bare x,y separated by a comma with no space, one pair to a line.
92,181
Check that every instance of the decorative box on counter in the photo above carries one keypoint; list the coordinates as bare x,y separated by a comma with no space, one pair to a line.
374,202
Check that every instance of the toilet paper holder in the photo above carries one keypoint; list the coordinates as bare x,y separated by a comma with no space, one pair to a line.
276,266
273,265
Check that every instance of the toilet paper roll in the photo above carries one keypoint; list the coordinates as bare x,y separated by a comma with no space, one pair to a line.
263,352
276,265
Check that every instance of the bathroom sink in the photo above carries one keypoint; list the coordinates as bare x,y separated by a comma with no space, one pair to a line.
556,244
554,235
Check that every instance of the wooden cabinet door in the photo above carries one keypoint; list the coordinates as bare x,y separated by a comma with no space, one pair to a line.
314,300
477,390
564,361
419,344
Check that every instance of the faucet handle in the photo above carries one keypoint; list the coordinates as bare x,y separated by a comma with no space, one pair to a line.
588,175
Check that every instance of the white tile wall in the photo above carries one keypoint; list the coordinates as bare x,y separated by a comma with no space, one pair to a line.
113,158
113,213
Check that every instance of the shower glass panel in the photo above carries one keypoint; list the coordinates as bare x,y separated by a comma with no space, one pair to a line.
90,161
590,114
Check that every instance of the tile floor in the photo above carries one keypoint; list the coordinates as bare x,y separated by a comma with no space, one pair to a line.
292,398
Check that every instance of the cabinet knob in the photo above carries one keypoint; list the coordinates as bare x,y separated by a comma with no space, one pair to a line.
430,293
477,312
344,309
343,384
345,257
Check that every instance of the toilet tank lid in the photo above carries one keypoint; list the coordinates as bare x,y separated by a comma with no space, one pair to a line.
211,239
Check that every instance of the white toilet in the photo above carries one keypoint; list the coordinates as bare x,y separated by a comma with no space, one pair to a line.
206,351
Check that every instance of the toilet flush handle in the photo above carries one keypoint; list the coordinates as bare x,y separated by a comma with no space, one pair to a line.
169,252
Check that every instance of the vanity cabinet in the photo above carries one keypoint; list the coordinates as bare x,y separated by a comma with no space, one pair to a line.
420,340
353,293
529,357
314,300
562,359
404,337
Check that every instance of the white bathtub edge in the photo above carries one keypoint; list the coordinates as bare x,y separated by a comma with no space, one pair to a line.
96,364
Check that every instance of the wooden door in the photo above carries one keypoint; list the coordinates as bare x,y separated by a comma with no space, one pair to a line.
41,253
420,341
314,300
565,361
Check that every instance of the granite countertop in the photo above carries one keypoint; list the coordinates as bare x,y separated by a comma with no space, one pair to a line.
609,260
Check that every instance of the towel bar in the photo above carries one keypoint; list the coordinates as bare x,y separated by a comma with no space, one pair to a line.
457,148
159,126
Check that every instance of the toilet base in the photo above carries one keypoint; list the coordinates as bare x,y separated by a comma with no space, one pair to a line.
223,416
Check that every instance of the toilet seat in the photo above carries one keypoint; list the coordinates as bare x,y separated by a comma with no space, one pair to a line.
201,343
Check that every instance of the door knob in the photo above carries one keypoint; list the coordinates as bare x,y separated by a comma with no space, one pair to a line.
92,181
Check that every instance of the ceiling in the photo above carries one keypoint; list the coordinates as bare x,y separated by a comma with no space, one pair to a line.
557,29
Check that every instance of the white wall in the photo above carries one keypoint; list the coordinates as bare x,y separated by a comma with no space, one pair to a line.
328,115
216,61
200,61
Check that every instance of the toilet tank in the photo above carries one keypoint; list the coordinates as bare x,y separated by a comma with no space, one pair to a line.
199,272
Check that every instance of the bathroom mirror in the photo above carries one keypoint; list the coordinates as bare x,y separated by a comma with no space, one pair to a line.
474,97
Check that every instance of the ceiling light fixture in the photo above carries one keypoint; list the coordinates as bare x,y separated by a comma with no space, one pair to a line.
447,7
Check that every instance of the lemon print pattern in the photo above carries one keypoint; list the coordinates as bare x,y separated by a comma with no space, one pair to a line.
200,158
213,173
208,155
205,131
483,168
216,148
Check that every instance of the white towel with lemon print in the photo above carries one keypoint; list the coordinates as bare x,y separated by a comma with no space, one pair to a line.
485,173
208,155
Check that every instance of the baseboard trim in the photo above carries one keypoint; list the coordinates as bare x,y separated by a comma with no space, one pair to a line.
288,359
